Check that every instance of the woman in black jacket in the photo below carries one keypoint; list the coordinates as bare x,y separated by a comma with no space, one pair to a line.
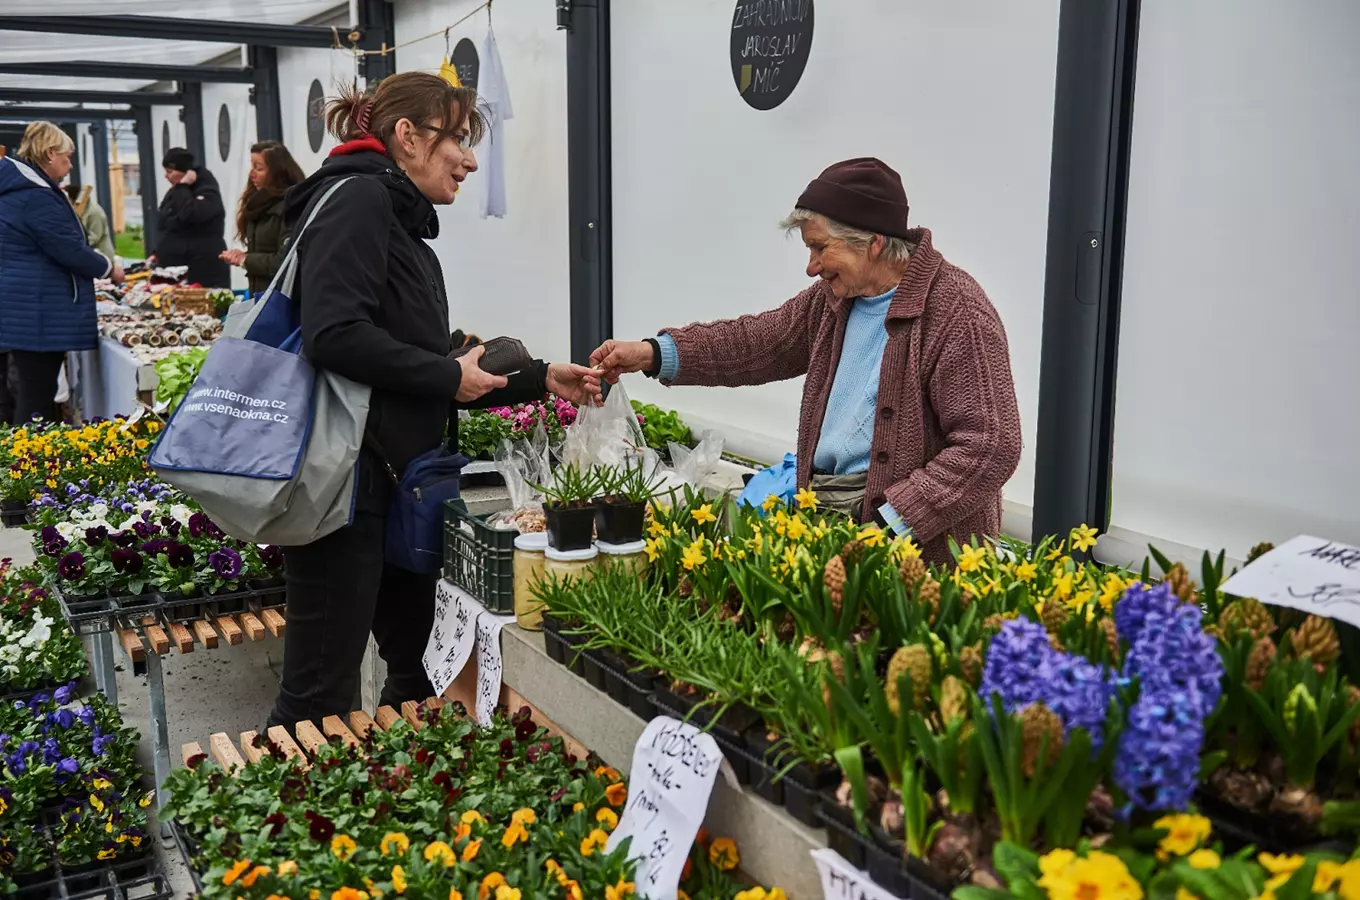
374,310
191,222
259,215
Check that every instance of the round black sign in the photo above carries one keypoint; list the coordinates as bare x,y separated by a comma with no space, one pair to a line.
224,132
316,124
466,62
771,40
165,137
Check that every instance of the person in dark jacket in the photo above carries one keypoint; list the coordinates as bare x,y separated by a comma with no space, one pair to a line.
191,222
374,309
259,215
47,270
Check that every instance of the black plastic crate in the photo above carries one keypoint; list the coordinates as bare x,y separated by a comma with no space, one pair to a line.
136,878
478,558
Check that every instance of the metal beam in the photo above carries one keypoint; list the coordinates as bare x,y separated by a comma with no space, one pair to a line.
60,114
1088,191
377,31
130,98
589,173
170,28
265,94
191,114
148,166
131,71
99,139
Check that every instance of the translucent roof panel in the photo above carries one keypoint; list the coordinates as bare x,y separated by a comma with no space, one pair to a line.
22,46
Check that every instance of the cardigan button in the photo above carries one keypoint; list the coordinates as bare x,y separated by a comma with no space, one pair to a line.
887,412
883,456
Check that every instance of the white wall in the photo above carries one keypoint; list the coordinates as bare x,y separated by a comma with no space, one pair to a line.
958,97
85,160
232,172
298,68
160,117
1235,419
508,276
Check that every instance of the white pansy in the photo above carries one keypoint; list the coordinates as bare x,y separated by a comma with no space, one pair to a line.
38,634
68,530
181,513
147,506
126,526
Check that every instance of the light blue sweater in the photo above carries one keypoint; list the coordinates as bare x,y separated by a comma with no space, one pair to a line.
848,426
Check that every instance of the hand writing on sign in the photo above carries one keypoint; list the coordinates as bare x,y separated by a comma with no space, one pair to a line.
1327,594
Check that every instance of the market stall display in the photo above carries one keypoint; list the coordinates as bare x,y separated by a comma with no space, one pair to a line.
38,652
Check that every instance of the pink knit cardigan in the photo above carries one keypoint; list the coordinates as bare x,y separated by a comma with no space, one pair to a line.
947,434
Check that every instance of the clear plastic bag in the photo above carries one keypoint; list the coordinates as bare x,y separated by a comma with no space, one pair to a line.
523,463
607,435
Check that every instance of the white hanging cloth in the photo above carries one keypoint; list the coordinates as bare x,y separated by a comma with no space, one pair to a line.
495,94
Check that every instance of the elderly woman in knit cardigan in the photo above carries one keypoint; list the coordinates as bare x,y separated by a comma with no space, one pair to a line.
909,407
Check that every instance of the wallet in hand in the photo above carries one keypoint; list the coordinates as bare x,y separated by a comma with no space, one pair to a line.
503,356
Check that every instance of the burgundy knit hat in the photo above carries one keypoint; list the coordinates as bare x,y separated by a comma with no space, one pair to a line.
863,193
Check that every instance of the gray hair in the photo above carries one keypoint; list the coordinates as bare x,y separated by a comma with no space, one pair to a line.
895,249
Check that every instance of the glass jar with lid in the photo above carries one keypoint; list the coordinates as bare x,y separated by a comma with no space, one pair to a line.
563,564
529,562
632,556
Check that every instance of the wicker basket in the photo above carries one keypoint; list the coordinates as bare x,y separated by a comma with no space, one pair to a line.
192,301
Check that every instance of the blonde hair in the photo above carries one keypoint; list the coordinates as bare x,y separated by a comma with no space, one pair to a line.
41,140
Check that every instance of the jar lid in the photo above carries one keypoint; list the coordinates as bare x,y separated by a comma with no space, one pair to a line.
622,549
571,555
533,541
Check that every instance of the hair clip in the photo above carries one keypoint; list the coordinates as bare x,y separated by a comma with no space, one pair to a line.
362,111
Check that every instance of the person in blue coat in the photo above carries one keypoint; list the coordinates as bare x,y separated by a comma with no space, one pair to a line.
47,270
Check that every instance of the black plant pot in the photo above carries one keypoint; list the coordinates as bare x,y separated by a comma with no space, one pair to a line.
804,789
619,520
570,527
595,674
884,858
841,833
636,684
29,879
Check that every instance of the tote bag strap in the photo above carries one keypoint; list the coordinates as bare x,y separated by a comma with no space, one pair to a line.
287,273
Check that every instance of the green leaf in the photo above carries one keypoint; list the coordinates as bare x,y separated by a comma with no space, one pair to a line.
1014,863
1300,884
973,892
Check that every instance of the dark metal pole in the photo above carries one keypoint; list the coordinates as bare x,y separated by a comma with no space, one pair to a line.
130,98
589,173
177,29
265,94
130,71
377,30
99,139
192,117
149,168
1092,126
60,114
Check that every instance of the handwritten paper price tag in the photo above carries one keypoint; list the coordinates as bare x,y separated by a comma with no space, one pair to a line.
452,639
842,881
674,767
1307,573
489,664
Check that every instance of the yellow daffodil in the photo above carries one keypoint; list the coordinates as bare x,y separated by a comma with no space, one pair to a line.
771,502
1055,553
871,536
1026,572
806,498
653,548
971,559
1083,538
797,529
693,556
703,514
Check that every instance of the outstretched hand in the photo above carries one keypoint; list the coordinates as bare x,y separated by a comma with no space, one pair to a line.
579,384
614,358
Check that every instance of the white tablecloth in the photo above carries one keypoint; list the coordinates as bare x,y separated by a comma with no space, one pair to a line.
108,379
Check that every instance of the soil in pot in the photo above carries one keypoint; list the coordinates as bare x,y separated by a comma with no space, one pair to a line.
619,520
570,527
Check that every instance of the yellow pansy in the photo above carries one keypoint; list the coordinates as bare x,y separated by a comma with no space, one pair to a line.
394,841
343,846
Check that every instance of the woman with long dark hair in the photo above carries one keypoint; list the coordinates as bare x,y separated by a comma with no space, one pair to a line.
374,309
259,214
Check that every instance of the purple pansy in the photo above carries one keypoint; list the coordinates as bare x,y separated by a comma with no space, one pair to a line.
72,566
226,563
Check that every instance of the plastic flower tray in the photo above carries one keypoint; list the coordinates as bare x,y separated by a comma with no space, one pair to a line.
91,615
137,878
478,558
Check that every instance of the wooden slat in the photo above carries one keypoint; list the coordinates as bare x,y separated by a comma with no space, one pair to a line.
184,640
513,700
252,626
252,753
190,750
273,621
361,723
225,753
309,737
332,726
279,735
132,645
204,632
160,643
386,716
410,711
230,630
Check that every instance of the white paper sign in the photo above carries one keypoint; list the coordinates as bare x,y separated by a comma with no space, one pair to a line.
452,639
674,768
489,664
1308,573
842,881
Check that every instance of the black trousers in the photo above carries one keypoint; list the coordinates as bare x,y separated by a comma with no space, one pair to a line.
6,389
35,384
340,589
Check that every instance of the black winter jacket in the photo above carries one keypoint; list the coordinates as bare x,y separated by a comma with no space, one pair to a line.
373,301
190,228
266,240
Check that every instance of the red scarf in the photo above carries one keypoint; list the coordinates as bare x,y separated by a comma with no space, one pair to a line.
360,144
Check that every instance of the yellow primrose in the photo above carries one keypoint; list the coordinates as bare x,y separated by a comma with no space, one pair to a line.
1184,833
